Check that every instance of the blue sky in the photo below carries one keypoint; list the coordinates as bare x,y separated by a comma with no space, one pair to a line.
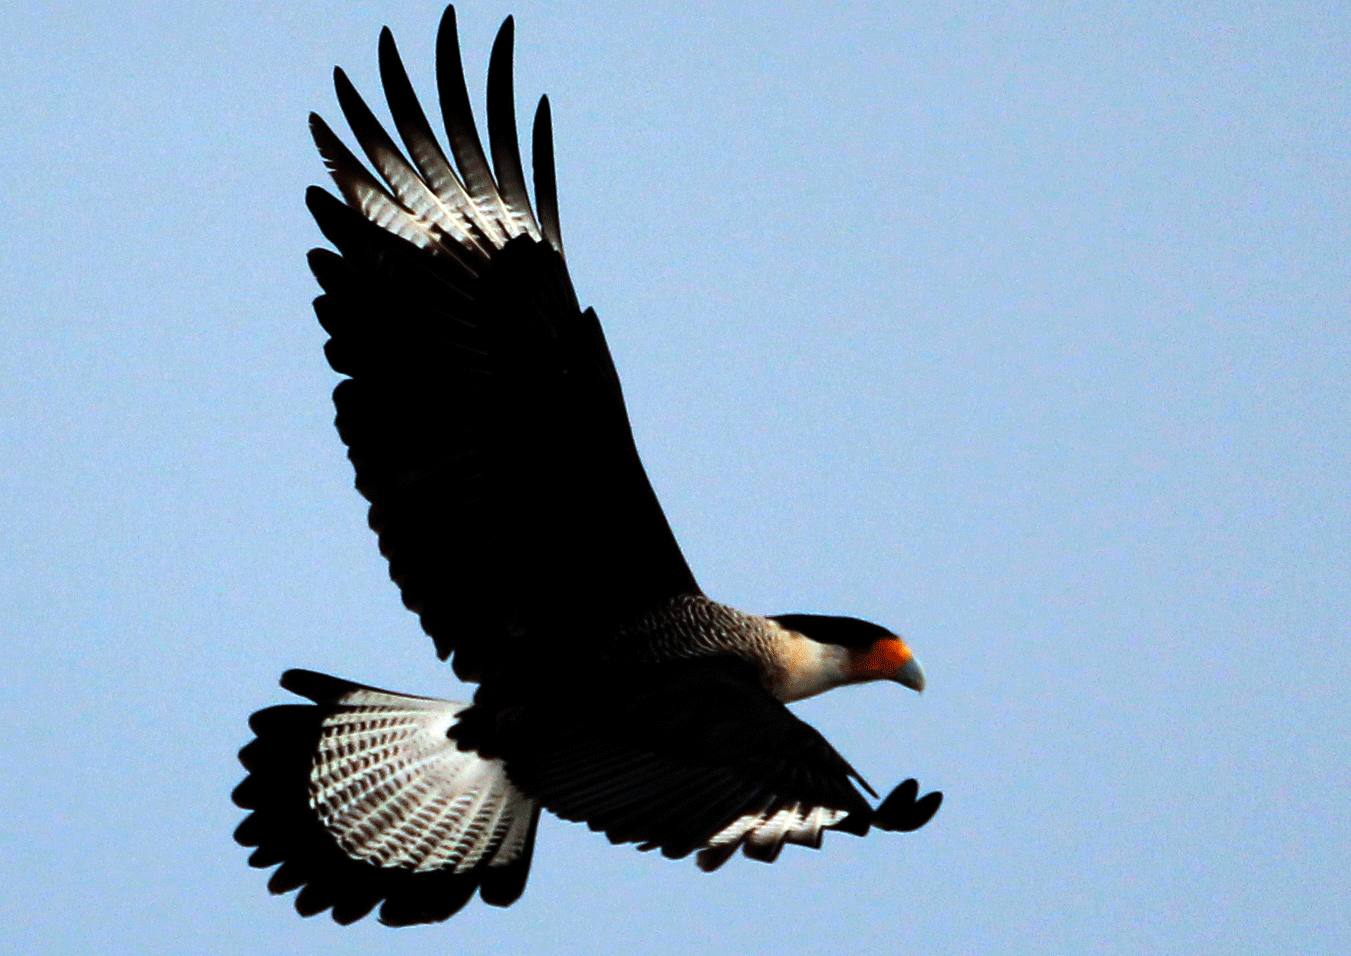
1021,328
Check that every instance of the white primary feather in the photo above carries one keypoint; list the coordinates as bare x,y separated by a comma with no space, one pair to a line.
464,214
761,834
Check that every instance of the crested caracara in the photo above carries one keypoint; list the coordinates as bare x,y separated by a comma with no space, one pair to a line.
484,418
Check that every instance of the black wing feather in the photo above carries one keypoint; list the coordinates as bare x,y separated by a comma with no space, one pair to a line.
546,178
502,137
461,130
667,756
483,414
404,180
423,147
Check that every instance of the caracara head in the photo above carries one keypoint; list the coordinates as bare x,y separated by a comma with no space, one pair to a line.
827,651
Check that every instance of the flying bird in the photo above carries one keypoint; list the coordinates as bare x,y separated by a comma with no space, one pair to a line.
485,421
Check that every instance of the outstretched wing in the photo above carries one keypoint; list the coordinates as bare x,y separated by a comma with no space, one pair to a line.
687,756
482,411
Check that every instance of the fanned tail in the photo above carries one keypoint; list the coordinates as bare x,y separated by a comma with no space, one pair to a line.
362,797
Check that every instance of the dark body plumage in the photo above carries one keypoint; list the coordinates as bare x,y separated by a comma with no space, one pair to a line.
485,421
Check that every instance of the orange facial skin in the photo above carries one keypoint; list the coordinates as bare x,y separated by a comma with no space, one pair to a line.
882,661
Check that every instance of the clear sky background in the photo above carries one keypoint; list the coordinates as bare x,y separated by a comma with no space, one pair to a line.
1022,328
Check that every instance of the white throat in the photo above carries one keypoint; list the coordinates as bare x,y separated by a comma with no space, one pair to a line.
804,667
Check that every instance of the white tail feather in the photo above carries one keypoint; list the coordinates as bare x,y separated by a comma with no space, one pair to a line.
394,790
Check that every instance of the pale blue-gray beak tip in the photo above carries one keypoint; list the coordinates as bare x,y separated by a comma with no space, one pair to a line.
912,675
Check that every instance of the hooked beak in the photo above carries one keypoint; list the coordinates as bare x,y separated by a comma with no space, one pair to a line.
888,659
911,675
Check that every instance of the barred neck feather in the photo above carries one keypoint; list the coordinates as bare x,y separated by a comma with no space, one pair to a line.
793,666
